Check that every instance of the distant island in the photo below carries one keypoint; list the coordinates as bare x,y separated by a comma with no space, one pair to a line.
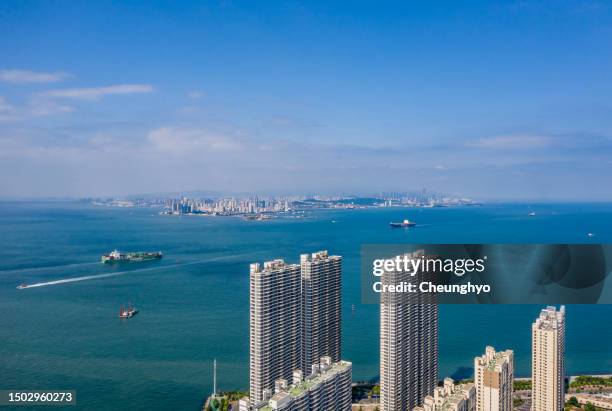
263,208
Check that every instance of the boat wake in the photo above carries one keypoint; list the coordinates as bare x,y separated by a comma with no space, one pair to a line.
119,273
75,279
47,268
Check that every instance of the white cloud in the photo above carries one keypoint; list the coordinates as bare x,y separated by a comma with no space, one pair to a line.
517,141
190,140
26,76
93,93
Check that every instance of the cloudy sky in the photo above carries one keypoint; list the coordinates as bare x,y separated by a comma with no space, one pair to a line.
494,100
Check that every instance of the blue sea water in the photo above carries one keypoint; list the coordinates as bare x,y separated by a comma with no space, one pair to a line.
194,303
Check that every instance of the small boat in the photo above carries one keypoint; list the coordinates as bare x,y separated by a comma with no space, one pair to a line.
403,224
127,312
590,234
22,286
531,214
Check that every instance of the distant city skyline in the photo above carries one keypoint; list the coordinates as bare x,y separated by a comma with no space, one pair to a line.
489,100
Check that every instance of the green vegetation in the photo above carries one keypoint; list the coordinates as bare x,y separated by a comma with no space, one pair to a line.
363,391
589,407
573,402
517,401
376,390
218,404
521,385
235,395
573,405
585,380
223,400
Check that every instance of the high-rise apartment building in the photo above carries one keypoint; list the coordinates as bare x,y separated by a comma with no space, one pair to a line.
321,307
408,344
494,379
295,319
275,325
450,397
548,360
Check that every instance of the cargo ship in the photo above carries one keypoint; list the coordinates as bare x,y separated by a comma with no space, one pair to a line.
127,312
403,224
118,257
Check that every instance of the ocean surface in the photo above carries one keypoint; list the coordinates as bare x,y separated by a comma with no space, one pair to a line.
194,303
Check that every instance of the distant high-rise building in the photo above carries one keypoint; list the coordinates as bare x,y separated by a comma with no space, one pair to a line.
494,379
321,308
408,344
450,397
327,388
548,360
275,325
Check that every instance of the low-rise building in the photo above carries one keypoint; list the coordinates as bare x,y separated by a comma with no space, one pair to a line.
603,401
450,397
328,387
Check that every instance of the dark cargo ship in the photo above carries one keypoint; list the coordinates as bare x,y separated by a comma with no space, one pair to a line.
403,224
117,257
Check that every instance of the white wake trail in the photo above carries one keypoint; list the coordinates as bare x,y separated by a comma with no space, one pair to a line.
76,279
116,274
47,268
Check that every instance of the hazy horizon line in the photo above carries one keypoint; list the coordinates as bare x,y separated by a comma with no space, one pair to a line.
170,195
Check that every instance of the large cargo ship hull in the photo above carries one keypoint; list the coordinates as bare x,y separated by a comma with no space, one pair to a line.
403,224
116,257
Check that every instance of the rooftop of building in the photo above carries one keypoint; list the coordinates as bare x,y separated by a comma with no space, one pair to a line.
315,379
459,392
550,318
309,382
492,360
271,266
458,395
318,256
497,360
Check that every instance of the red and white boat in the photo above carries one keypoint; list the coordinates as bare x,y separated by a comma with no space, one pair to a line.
127,312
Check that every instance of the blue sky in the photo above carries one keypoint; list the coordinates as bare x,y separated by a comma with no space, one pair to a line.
494,100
